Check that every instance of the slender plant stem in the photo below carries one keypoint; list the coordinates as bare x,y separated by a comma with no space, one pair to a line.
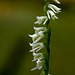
46,69
48,48
42,59
47,56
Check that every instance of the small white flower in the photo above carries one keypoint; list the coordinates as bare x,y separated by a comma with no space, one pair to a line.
39,65
38,29
54,8
37,56
41,19
53,16
36,47
57,1
37,37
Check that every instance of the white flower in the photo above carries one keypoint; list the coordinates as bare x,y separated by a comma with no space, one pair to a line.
37,56
39,65
54,8
41,19
53,16
37,37
57,1
38,29
36,47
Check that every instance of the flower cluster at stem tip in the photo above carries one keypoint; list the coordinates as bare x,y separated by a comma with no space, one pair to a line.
39,34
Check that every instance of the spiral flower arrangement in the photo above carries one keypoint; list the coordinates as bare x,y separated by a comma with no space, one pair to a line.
42,59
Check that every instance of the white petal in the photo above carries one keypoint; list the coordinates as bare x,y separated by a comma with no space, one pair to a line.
30,44
54,8
36,22
51,13
53,16
37,48
39,64
45,21
37,56
56,17
39,38
40,19
36,37
34,45
34,69
40,67
57,1
48,14
39,29
30,35
34,49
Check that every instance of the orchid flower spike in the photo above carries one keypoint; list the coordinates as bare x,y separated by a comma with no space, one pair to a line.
51,13
36,47
42,59
41,19
38,29
54,8
39,65
36,37
37,56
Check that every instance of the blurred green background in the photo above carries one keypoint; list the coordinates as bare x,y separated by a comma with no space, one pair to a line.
16,22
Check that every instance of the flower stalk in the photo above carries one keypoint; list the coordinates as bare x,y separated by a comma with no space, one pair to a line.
42,59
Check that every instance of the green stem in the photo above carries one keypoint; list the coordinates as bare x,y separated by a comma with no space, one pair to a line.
47,56
48,35
48,48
